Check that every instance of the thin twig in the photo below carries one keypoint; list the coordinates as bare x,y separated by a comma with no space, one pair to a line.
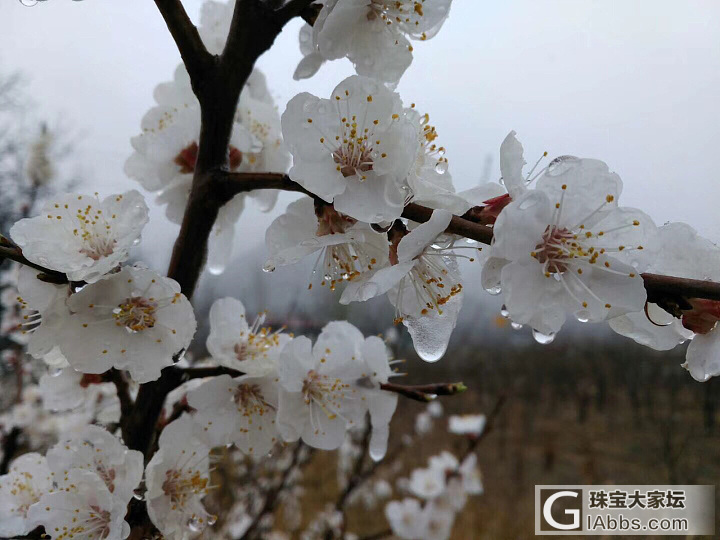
426,392
490,422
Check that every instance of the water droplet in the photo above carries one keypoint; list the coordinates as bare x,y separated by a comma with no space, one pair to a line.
139,495
137,241
55,371
195,524
376,453
504,312
441,167
543,339
29,3
516,326
268,267
561,164
583,316
211,520
494,290
216,269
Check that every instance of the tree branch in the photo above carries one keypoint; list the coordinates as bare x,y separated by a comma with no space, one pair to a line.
47,275
195,56
425,392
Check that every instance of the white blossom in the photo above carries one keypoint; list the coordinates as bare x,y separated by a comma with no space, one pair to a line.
381,404
26,481
97,450
43,309
83,236
166,152
467,424
233,343
423,283
85,509
319,398
177,479
134,320
241,411
406,518
61,390
355,149
375,35
567,247
347,247
683,253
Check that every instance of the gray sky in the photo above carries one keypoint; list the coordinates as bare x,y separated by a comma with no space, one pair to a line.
632,82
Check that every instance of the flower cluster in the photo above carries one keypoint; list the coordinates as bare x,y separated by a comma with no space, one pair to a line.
442,490
80,490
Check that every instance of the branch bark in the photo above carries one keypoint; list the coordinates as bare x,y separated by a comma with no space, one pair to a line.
195,56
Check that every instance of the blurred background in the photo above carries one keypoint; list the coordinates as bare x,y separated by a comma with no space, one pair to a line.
633,82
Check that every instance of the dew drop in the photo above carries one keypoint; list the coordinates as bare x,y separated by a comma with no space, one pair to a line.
268,267
516,326
29,3
211,519
139,495
504,312
55,371
195,525
216,269
376,453
441,167
543,339
582,316
137,241
561,164
494,290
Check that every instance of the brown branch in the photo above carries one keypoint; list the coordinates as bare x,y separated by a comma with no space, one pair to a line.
195,56
10,445
202,372
14,253
299,8
426,392
489,425
123,393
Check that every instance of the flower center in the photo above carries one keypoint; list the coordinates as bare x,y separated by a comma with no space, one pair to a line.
354,157
557,245
330,221
180,485
136,314
326,392
249,397
187,158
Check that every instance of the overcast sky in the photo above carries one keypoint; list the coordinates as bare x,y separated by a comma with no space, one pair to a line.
632,82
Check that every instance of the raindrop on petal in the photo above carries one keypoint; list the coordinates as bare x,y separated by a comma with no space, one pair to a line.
543,339
504,312
515,326
583,316
494,290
